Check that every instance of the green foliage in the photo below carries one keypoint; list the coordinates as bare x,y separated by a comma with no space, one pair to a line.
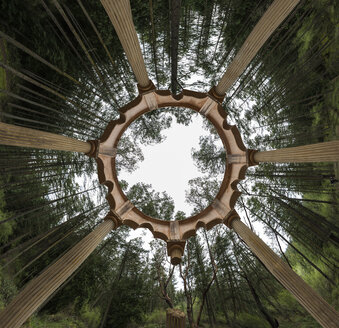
60,320
90,316
246,320
150,202
8,289
156,319
6,229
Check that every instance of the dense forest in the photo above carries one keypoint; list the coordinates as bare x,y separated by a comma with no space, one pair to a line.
63,70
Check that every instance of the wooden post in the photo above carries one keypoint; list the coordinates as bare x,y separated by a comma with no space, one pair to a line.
120,14
13,135
319,152
175,318
268,23
39,289
305,295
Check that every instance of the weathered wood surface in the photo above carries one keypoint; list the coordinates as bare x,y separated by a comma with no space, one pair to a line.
305,295
13,135
39,289
319,152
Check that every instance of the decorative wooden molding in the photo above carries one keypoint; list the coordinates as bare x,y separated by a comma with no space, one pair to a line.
175,233
250,157
94,148
175,249
149,88
214,95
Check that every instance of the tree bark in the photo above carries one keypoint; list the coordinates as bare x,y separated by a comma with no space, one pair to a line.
175,20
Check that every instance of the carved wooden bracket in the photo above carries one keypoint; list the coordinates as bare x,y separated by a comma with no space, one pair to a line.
175,233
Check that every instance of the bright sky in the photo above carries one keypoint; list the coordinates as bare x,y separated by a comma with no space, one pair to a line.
168,166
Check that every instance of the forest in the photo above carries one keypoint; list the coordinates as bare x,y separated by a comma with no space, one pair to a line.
63,70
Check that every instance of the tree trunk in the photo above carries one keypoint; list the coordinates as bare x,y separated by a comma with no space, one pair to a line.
175,20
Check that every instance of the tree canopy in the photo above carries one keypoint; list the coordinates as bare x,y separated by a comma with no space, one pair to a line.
63,70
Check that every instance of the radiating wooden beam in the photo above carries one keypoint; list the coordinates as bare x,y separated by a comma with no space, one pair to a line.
319,152
268,23
120,14
39,289
304,294
13,135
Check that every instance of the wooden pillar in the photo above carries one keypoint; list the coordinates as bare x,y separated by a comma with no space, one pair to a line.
13,135
305,295
319,152
268,23
39,289
120,14
175,318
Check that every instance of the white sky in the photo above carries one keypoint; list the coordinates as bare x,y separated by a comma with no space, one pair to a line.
168,166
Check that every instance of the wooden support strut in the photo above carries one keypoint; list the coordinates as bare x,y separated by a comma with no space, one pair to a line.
268,23
319,152
305,295
39,289
13,135
120,14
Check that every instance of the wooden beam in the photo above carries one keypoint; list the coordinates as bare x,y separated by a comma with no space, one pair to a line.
319,152
304,294
120,14
13,135
268,23
38,290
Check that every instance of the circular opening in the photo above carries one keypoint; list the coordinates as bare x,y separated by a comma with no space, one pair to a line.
164,163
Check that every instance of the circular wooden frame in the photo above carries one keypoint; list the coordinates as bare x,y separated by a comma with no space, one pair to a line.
175,233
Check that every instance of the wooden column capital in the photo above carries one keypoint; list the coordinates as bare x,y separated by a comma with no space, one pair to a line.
250,157
175,249
94,148
230,218
150,87
215,95
117,222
